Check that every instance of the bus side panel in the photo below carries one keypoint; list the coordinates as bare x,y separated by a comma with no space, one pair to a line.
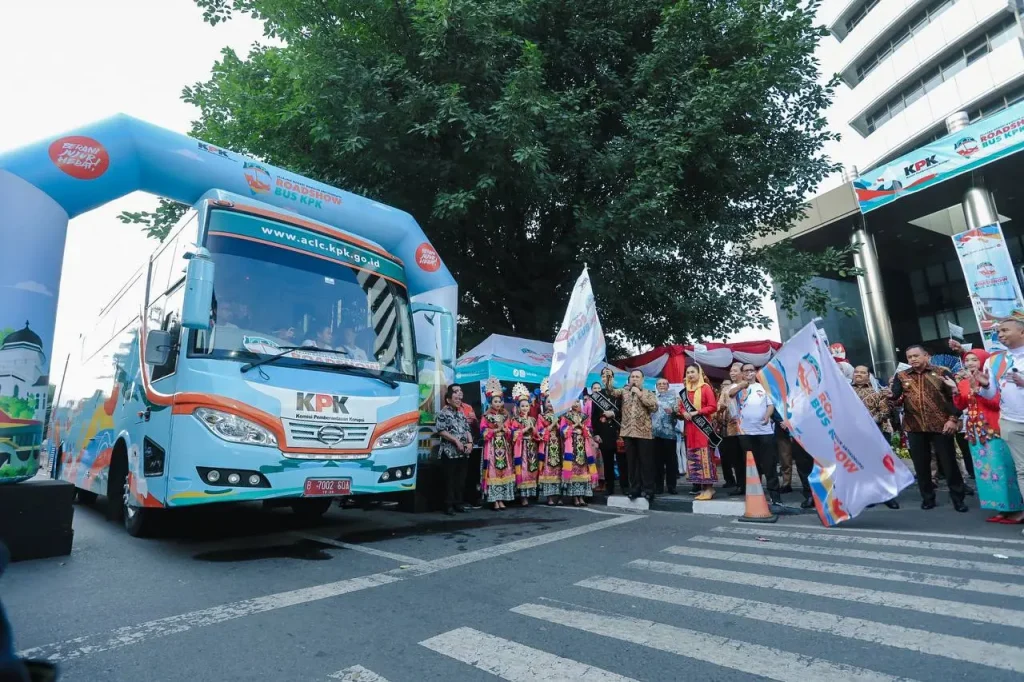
89,440
96,386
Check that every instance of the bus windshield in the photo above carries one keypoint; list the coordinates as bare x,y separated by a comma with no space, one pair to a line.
266,297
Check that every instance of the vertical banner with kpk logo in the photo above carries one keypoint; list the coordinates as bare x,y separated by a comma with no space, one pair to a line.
991,281
854,465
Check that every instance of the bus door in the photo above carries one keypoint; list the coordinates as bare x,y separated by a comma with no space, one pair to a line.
154,423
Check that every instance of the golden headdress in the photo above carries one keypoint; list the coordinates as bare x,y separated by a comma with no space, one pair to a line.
493,388
520,392
544,386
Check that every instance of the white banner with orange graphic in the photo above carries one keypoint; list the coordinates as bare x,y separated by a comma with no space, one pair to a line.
578,348
854,463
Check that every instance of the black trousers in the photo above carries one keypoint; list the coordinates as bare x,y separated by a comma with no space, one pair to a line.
733,462
640,456
804,464
607,448
666,466
965,450
454,479
921,445
766,456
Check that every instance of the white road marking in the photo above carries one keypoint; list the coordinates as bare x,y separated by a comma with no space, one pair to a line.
513,661
873,572
133,634
475,555
945,536
922,641
372,551
754,659
939,607
887,542
917,560
356,673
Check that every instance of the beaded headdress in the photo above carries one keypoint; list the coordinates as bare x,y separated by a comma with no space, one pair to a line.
520,393
493,388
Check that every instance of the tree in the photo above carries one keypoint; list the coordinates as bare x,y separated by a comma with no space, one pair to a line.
653,140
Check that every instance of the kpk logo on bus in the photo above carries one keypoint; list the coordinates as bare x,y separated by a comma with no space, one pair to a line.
320,402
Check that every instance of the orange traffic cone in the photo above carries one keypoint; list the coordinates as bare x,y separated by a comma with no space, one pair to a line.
756,510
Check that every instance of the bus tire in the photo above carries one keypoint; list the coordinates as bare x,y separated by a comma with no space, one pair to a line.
138,521
85,496
311,509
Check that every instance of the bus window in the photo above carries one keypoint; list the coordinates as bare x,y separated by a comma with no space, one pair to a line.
171,323
266,297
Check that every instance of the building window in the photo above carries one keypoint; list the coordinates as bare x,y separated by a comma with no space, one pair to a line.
1003,101
859,14
910,28
950,65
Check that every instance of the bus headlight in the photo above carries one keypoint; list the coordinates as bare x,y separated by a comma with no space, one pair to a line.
233,428
398,438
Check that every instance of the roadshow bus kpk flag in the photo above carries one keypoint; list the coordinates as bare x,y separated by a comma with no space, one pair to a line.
854,465
578,348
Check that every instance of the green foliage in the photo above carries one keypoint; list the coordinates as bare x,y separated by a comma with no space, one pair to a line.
653,140
4,332
17,408
158,223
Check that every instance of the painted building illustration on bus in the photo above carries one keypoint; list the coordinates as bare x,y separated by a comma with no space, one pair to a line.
24,387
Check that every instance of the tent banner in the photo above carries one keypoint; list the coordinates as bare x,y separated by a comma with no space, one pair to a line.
980,143
501,370
578,348
991,280
854,465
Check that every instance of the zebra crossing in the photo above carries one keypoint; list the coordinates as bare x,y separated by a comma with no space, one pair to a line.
748,601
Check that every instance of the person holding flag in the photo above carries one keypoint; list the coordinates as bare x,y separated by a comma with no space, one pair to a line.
638,405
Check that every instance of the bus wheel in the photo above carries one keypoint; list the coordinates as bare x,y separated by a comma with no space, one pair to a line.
85,496
311,509
137,520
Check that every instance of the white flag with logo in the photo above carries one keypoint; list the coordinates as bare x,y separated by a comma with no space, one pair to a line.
578,348
854,465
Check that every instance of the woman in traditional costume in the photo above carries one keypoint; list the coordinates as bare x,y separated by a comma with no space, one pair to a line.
592,411
526,446
550,454
579,471
498,474
700,458
994,470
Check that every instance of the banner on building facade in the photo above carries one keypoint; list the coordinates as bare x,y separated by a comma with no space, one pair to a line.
978,144
854,465
991,280
578,348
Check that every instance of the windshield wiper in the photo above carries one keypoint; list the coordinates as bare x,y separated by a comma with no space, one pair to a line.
368,373
285,350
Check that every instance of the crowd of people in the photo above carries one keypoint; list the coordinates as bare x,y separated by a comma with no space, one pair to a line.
642,442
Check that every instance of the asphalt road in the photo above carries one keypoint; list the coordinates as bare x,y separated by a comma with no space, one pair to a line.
549,594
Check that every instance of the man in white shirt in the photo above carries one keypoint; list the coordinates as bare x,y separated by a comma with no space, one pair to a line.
1004,372
754,408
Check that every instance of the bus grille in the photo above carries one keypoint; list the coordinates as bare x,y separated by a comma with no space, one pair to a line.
315,435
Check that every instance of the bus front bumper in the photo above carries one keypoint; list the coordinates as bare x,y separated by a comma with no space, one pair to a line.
264,473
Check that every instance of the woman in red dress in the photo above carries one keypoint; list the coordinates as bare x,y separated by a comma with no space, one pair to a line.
700,458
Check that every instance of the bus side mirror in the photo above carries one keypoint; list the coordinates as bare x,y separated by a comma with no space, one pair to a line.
158,347
198,303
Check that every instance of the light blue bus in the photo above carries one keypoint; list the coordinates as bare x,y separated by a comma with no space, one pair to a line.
257,355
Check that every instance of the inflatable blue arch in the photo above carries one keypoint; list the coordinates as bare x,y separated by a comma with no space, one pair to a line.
45,184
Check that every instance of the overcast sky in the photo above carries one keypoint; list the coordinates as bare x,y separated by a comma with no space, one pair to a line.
95,59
